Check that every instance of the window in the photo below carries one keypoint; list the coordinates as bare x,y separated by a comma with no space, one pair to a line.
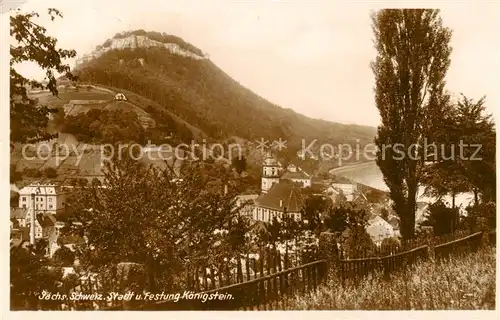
50,200
50,206
24,206
23,199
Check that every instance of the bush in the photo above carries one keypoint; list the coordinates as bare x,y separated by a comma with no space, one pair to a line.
443,219
50,173
32,173
64,257
14,174
482,216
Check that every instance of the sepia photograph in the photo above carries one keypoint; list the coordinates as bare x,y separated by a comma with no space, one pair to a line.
251,155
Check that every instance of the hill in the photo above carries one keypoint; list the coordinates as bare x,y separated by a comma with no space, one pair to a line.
198,92
174,94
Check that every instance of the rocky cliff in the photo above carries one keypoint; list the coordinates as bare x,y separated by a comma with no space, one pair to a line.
138,41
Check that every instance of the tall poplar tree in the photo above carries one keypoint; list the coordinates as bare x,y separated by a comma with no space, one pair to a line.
413,55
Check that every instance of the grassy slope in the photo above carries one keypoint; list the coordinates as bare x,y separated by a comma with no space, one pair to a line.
464,283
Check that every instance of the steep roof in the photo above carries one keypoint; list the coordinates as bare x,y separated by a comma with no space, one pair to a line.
51,217
41,188
295,175
349,190
379,229
282,195
45,221
270,161
18,213
72,239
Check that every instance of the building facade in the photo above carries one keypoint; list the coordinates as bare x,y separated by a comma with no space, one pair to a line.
48,198
283,199
270,173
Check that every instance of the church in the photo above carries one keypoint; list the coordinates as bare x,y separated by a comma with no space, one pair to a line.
281,191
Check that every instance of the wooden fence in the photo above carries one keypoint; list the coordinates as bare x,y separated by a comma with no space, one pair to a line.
394,257
361,267
492,238
262,282
266,292
458,246
246,268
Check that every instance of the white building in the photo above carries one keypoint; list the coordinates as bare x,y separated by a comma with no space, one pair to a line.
120,97
270,173
284,198
246,203
297,175
44,198
379,229
348,190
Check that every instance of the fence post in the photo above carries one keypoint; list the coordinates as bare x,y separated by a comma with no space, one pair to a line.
328,251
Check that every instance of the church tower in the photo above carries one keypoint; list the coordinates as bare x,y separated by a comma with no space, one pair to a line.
270,173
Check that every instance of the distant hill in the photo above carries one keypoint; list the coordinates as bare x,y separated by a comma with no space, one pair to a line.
198,92
174,94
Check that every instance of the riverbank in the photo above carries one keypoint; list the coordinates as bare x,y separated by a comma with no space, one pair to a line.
370,175
358,166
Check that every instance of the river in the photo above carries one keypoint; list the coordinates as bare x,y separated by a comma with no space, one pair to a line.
369,174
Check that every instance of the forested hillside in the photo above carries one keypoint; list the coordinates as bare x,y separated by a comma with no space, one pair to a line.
204,96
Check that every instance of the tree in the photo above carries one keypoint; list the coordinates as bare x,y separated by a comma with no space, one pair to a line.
29,277
144,215
349,223
50,173
465,159
14,174
239,163
336,219
442,218
481,216
64,256
410,68
311,213
14,200
478,166
28,119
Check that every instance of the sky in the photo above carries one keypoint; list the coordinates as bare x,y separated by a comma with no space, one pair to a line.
311,56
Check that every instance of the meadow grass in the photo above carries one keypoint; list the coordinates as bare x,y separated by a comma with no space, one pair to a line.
461,283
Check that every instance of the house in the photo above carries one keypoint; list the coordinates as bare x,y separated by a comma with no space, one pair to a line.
379,229
298,176
69,241
44,226
301,155
247,203
284,198
120,97
349,191
281,192
18,216
272,173
44,197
